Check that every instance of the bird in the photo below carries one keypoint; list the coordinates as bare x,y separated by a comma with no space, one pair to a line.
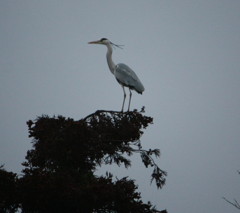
124,75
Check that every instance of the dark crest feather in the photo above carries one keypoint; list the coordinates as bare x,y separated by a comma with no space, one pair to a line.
102,39
117,45
114,45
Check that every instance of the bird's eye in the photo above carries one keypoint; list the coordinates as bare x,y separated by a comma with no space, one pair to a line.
103,39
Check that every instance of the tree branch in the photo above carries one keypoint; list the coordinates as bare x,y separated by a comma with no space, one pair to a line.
235,203
101,111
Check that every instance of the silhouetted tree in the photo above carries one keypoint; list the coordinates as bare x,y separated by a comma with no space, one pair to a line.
8,191
59,170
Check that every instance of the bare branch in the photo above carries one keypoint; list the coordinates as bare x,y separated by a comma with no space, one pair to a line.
235,203
101,111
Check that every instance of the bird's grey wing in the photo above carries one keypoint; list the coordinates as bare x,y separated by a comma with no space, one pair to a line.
127,77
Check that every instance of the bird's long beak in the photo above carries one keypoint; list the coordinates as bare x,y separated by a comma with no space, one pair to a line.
94,42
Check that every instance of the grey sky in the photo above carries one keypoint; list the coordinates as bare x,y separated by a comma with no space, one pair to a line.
186,54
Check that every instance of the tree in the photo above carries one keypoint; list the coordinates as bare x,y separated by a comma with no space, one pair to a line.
8,191
59,169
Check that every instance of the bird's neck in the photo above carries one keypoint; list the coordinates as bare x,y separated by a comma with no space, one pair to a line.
110,62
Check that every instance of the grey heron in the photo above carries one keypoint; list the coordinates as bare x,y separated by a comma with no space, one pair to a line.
125,76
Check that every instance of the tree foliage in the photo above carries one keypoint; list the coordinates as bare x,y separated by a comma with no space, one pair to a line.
8,191
59,169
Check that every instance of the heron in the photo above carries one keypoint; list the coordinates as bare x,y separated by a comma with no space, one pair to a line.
125,76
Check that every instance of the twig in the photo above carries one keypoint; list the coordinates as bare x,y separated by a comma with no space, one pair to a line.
236,204
102,111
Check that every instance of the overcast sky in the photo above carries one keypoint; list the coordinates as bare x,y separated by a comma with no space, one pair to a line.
187,55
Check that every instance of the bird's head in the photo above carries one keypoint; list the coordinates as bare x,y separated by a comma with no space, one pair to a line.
103,41
106,42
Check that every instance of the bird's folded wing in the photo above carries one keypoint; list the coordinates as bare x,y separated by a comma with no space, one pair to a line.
127,77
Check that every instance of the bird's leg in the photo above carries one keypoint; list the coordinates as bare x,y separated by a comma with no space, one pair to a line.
124,97
130,97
